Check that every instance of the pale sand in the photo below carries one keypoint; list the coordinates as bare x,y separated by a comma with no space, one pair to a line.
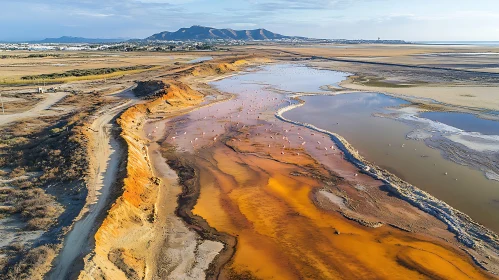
483,97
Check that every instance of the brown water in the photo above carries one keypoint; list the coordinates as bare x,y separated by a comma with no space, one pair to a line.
383,141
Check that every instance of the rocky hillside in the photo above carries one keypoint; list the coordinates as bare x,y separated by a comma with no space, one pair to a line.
197,32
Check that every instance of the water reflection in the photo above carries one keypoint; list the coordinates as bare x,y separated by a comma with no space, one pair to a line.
200,59
466,122
293,78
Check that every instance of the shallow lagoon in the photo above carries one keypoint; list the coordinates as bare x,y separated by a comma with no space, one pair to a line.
380,140
466,122
383,141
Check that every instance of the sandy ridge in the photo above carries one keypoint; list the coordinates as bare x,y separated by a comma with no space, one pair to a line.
124,243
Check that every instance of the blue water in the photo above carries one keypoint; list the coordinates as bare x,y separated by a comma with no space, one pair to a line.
476,43
200,59
294,77
466,122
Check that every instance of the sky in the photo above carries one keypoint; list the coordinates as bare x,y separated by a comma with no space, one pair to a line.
412,20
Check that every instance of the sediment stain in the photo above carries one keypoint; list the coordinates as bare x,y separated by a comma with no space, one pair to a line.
282,235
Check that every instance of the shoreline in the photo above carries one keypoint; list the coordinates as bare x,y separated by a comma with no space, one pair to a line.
157,112
421,105
249,145
468,232
135,213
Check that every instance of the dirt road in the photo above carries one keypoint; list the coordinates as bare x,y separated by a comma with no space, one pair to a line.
38,110
107,155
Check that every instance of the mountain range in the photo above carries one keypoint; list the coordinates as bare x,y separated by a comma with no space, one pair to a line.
199,33
202,33
193,33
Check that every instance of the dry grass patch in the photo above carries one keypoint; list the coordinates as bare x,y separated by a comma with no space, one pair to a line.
61,78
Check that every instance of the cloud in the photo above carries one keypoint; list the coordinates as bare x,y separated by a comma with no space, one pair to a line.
33,19
276,5
89,14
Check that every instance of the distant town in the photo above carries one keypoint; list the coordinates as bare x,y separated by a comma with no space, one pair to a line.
172,46
194,38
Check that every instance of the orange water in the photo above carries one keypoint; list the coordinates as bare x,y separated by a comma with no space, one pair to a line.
283,235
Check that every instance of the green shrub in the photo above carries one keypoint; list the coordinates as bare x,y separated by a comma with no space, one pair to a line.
84,72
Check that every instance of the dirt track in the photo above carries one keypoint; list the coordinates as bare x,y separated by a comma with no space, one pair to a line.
36,111
107,155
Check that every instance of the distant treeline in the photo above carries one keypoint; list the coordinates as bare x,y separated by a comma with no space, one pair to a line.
85,72
34,55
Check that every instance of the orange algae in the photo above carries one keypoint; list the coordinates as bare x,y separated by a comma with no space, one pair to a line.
283,235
